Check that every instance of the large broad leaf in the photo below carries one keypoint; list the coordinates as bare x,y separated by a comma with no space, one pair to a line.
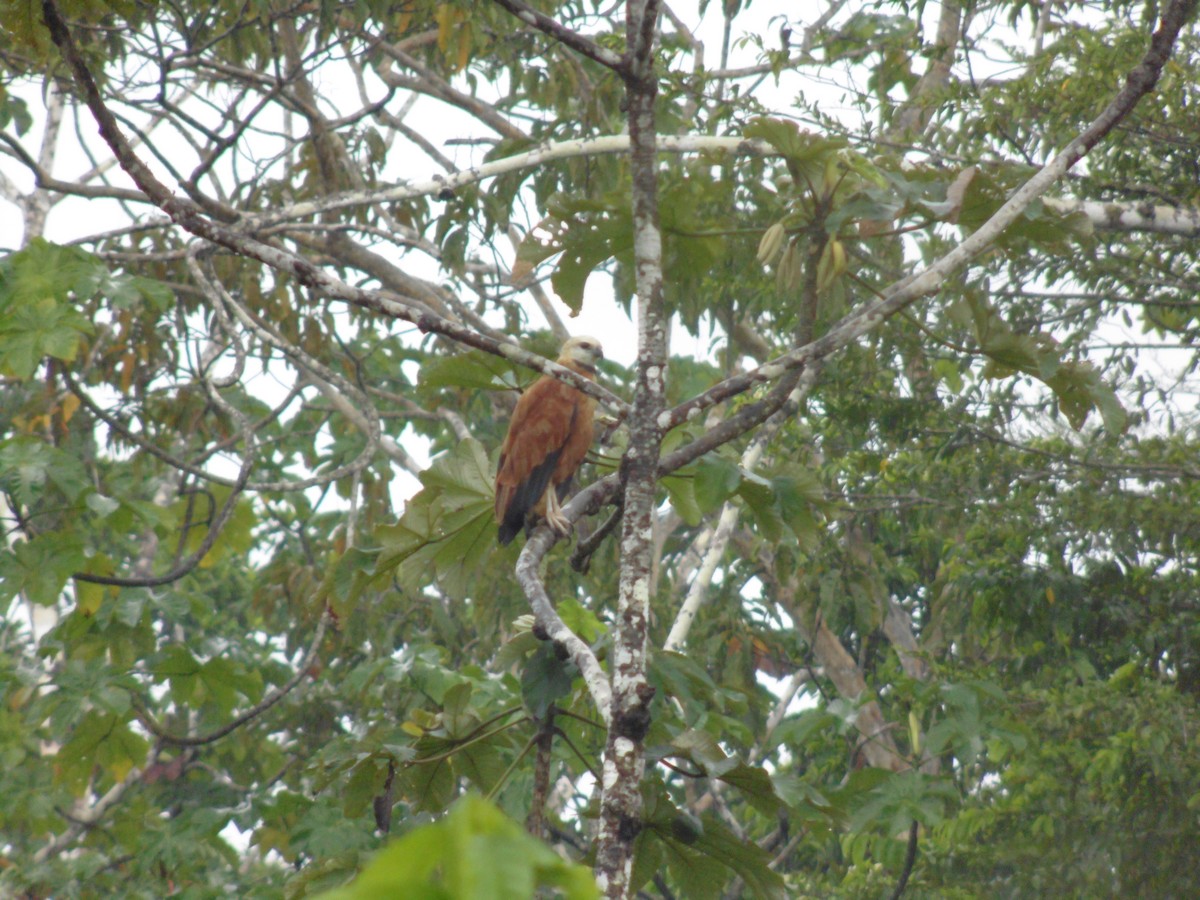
471,370
29,465
807,154
903,798
702,856
39,568
446,531
1076,385
678,675
474,853
715,481
584,232
754,782
100,740
681,493
39,287
236,536
545,679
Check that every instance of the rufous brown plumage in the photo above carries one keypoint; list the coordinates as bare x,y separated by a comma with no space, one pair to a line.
548,436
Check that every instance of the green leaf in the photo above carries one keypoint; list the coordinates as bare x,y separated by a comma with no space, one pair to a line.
678,675
581,620
28,465
347,577
39,289
701,748
429,786
1076,385
806,152
217,676
756,786
681,493
703,856
474,853
101,740
545,678
446,531
459,717
762,501
585,232
178,666
901,799
39,568
715,481
14,111
365,783
473,370
588,242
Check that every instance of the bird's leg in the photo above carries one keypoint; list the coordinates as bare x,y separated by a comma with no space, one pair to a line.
554,514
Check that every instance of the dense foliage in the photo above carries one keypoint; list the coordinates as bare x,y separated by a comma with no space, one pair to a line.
930,622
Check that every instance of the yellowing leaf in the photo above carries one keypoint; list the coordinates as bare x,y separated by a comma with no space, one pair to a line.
68,407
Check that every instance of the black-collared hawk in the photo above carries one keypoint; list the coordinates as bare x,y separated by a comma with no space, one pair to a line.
548,437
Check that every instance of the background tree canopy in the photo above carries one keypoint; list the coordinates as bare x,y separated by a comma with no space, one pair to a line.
886,572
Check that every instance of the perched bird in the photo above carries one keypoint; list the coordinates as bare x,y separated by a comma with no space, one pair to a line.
548,437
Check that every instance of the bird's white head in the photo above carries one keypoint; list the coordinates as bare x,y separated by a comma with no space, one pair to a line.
583,351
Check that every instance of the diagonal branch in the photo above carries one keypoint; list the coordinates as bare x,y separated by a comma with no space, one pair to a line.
1106,216
188,215
551,626
698,590
86,819
273,697
1140,81
565,35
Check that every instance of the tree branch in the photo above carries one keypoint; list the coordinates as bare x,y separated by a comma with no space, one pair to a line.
564,35
928,281
273,697
624,754
186,214
1103,215
552,627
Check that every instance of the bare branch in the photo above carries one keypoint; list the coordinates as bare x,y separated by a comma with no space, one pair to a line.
928,281
189,216
1155,218
552,627
1102,215
698,590
564,35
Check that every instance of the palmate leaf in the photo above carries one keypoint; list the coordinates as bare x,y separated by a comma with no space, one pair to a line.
474,852
586,232
902,798
39,289
587,243
715,481
753,782
545,678
1077,385
236,536
446,531
472,370
100,739
806,153
681,493
702,855
39,568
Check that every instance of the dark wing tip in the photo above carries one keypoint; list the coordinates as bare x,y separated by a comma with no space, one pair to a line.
526,496
508,531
